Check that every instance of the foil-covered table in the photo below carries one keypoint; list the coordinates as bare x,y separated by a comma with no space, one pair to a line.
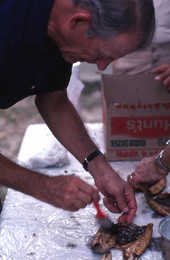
31,229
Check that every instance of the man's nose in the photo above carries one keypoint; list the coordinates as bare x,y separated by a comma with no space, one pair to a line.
103,63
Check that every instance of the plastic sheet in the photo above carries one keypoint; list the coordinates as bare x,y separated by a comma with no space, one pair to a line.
31,229
75,86
47,152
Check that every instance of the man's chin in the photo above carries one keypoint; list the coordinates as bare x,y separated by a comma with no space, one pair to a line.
70,59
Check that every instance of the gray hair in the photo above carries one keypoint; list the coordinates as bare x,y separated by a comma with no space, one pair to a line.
113,17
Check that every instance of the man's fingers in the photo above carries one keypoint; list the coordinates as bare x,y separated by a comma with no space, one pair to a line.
91,191
84,198
132,205
111,206
81,186
128,205
131,179
160,68
118,205
122,204
76,193
134,179
163,74
128,212
127,217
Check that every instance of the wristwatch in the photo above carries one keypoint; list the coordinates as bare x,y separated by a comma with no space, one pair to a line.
159,163
168,142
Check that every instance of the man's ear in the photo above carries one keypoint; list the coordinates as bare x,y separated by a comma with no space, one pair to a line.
80,19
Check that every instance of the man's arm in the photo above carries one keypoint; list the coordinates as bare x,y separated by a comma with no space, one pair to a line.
66,192
66,125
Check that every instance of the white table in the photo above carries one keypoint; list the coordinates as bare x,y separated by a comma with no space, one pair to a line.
31,229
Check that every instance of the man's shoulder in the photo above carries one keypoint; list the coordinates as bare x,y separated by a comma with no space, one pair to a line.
23,21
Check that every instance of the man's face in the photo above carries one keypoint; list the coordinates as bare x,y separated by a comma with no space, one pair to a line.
97,51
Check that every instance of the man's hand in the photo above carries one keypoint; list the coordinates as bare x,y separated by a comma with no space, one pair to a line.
67,192
119,195
146,171
163,72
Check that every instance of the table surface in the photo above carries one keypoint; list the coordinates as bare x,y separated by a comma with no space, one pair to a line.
31,229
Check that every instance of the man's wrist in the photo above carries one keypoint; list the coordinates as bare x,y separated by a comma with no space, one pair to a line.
91,157
163,169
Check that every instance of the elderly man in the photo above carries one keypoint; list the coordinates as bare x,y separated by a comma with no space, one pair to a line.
38,42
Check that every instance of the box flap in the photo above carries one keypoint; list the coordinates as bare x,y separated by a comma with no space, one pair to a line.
131,89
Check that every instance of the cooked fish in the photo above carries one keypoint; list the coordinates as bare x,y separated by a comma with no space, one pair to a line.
106,256
132,239
152,188
158,186
160,203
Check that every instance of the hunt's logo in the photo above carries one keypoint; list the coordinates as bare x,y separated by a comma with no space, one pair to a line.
142,127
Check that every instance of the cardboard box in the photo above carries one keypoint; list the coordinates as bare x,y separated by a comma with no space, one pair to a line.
136,116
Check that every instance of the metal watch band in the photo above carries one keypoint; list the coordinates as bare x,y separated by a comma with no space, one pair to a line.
168,142
89,158
160,164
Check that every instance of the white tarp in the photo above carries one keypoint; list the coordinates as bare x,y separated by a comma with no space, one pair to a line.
32,230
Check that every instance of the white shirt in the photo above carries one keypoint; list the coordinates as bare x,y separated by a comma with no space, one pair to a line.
162,13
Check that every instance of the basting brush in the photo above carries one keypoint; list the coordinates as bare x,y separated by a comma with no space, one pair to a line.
101,217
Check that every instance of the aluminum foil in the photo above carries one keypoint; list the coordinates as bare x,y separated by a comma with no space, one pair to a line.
31,229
